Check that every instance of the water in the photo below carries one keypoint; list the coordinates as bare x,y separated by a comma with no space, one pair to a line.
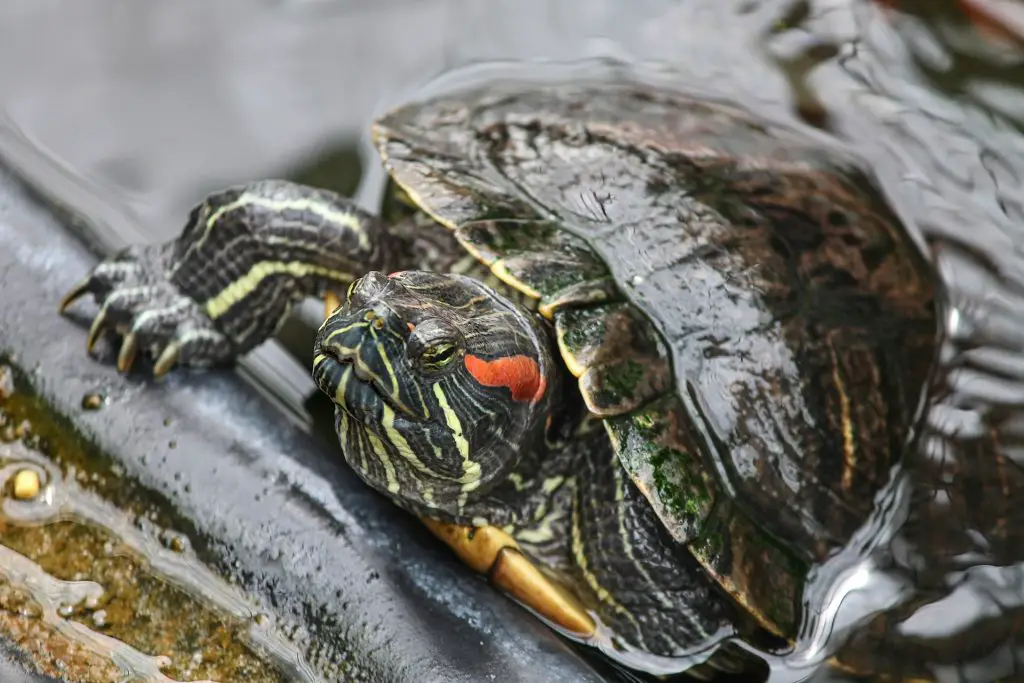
151,106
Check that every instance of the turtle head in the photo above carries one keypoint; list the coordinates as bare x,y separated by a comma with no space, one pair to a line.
438,383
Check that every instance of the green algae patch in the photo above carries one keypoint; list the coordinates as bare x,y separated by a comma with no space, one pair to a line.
652,448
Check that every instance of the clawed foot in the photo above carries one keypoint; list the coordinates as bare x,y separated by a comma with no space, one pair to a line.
151,314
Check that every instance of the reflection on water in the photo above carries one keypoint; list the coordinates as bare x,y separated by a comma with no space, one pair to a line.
158,103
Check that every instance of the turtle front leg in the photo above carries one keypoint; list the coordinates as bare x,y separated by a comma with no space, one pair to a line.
226,284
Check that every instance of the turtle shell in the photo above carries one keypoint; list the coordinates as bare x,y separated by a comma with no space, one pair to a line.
739,302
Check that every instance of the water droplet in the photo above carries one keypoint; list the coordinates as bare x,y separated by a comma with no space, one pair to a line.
30,611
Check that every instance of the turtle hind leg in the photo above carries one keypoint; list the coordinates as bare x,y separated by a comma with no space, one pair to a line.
568,535
596,531
648,589
229,280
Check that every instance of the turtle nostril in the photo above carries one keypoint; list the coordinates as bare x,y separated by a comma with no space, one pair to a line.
375,318
381,316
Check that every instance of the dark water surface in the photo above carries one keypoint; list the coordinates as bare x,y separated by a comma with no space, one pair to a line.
140,109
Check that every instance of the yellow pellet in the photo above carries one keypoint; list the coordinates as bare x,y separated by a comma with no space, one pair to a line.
26,484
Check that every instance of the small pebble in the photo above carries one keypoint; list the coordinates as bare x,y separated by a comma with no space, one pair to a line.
6,382
99,618
92,401
26,484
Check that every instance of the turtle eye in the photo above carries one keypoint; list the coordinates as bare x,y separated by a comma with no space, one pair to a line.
438,356
432,346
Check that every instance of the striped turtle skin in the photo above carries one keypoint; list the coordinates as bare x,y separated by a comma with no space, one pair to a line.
668,350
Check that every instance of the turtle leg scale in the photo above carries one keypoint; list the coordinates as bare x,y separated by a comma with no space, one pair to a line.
228,281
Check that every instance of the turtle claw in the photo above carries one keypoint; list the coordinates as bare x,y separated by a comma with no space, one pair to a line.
129,350
99,325
489,550
137,299
81,288
516,575
167,360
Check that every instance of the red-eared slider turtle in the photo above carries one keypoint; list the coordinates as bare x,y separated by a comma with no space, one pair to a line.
662,348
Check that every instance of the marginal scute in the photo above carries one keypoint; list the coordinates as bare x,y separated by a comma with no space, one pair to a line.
448,192
736,553
655,450
581,294
618,356
499,239
538,258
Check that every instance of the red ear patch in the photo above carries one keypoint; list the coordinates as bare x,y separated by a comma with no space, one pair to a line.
520,374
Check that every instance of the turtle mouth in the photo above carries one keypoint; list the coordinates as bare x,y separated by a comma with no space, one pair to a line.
352,386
